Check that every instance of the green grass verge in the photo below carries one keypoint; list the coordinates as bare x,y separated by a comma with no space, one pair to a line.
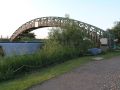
47,73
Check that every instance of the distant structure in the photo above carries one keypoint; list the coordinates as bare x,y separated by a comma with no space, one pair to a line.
2,39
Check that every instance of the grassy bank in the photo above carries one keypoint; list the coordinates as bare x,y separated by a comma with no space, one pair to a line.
12,67
47,73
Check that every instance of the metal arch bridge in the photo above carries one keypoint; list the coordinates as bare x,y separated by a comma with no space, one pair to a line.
95,33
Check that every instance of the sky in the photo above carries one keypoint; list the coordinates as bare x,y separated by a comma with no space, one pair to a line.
14,13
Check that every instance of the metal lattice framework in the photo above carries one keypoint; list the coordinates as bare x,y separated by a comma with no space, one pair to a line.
94,32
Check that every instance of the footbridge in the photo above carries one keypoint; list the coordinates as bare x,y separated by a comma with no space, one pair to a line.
94,32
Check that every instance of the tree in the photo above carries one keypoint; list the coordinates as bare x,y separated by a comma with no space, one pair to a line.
27,37
72,36
4,40
116,30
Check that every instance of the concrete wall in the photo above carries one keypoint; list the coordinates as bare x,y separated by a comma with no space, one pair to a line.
11,49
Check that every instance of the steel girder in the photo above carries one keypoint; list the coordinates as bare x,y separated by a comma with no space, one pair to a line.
94,32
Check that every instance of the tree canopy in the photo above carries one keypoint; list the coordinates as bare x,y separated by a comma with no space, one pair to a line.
115,30
72,36
27,37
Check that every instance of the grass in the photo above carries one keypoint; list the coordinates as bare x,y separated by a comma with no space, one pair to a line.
44,74
12,67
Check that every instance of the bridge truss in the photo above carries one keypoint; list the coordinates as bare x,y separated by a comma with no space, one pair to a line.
95,33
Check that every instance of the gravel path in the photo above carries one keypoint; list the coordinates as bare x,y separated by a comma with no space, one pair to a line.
96,75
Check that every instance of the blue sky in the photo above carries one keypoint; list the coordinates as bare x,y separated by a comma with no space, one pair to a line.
100,13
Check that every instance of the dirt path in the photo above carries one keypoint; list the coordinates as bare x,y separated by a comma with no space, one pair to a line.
96,75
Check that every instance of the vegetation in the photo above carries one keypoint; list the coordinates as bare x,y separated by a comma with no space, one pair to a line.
44,74
1,52
4,40
72,36
116,31
63,44
26,37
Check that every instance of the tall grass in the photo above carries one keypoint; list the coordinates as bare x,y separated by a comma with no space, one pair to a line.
52,53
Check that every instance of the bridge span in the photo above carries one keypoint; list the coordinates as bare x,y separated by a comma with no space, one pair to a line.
94,32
